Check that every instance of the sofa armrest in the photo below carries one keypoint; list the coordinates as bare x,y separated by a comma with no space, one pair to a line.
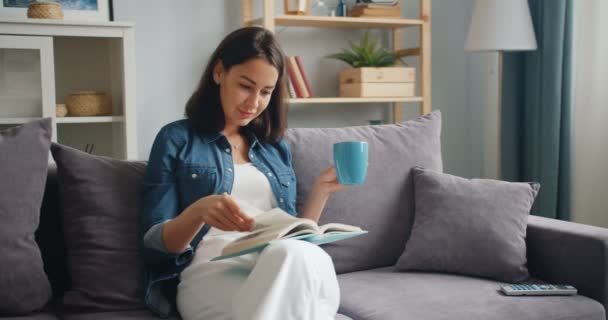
569,253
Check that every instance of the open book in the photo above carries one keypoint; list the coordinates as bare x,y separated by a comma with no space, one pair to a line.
277,224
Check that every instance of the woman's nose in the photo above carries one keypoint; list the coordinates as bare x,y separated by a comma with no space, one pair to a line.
253,100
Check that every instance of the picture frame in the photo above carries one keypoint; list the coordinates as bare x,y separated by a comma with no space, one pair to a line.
73,10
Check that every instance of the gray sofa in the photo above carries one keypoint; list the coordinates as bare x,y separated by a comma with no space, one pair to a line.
371,287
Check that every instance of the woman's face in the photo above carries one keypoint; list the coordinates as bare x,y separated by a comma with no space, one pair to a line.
245,89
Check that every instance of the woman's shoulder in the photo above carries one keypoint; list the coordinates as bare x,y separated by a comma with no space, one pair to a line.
175,132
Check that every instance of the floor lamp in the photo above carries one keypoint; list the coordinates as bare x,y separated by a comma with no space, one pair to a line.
499,26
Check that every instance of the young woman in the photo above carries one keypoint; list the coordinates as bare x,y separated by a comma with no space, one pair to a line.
209,174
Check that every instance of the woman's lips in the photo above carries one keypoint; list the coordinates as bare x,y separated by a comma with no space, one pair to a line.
246,114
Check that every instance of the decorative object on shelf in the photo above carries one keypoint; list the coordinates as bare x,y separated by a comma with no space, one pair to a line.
45,10
374,73
75,10
296,7
88,148
319,8
365,54
341,9
61,110
89,103
389,10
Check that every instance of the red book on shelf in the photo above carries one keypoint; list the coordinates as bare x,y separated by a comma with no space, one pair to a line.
298,77
292,78
304,76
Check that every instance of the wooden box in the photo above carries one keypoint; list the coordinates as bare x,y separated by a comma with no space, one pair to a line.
378,82
388,74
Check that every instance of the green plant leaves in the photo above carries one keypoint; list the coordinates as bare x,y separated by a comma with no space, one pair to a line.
365,54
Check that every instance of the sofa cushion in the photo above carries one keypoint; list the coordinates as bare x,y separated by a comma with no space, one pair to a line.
24,152
35,316
385,294
100,204
469,226
131,315
384,204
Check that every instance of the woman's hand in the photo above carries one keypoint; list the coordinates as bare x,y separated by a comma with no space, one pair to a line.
222,212
327,182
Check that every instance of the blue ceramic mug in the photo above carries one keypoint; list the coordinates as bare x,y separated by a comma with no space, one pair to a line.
350,159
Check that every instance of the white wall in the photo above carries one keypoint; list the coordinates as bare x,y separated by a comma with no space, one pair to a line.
174,39
590,133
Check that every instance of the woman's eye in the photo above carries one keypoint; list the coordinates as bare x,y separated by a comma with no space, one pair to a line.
266,93
244,86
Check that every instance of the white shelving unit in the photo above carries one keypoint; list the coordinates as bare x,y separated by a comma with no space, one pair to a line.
43,61
270,20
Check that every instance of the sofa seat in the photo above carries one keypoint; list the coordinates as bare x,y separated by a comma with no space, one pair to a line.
384,294
35,316
118,315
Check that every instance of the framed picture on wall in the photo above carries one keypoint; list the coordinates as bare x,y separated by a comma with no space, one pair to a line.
81,10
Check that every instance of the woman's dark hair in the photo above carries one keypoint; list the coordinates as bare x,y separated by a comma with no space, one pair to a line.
204,109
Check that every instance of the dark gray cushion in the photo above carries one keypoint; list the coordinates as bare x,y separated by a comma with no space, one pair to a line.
469,226
384,204
24,152
35,316
384,294
100,199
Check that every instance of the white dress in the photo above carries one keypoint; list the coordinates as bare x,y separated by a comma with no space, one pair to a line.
289,279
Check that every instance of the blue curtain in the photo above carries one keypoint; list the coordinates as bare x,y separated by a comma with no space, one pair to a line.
536,109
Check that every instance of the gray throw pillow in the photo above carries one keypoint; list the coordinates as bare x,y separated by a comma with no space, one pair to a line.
100,200
384,204
24,153
473,227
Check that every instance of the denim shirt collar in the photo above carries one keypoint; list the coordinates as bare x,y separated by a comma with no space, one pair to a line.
213,136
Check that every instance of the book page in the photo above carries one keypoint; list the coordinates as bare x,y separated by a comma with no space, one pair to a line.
338,227
272,225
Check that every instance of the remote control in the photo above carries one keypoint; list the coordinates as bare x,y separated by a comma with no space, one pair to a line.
538,290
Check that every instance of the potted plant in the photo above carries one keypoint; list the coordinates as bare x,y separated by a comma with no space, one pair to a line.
374,71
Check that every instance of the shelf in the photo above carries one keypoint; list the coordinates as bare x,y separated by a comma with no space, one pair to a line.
19,120
340,22
354,100
107,119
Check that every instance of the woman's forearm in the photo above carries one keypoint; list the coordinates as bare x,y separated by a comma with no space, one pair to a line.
179,232
314,205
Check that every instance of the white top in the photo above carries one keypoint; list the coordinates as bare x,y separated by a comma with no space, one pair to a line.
252,191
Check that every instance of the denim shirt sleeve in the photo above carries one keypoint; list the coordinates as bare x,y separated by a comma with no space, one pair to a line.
285,153
160,197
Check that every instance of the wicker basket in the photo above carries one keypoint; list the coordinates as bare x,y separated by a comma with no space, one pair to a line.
89,103
45,10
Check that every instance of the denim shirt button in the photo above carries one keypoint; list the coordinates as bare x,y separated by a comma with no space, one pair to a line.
194,176
229,169
281,200
227,150
269,174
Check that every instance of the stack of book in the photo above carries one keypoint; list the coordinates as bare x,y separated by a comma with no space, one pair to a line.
298,82
376,9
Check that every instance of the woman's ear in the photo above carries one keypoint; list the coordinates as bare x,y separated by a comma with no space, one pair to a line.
218,71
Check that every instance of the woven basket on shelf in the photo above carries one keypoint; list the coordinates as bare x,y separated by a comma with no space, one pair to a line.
89,103
45,10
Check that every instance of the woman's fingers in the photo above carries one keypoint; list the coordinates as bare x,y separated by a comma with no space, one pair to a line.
214,222
235,214
229,225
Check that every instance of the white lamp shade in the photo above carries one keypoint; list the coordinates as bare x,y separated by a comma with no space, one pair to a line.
501,25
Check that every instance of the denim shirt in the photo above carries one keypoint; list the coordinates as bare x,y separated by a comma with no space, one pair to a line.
184,166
